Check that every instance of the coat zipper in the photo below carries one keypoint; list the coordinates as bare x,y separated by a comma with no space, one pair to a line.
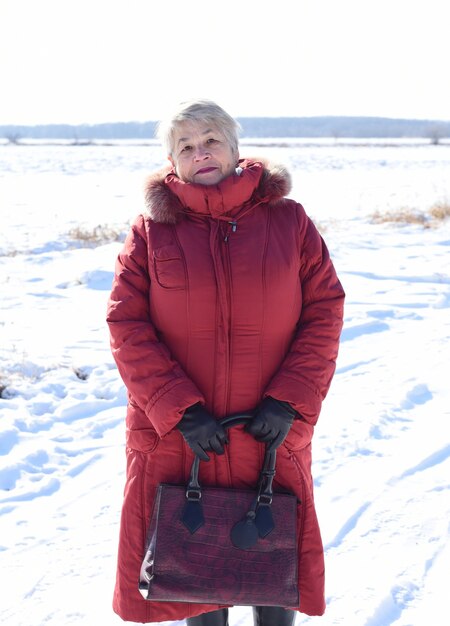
227,274
219,242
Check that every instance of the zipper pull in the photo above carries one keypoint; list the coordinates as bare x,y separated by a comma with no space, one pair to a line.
233,229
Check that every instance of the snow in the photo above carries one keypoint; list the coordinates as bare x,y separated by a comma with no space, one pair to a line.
382,444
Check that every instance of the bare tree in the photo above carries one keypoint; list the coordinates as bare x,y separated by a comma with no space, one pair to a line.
13,138
436,132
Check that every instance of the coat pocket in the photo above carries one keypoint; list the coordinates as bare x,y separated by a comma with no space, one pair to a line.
300,435
169,267
142,439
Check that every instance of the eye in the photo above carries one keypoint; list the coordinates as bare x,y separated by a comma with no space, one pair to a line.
211,140
186,148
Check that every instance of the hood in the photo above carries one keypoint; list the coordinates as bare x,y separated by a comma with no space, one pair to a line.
168,199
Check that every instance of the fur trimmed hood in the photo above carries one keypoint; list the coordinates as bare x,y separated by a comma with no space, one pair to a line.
168,199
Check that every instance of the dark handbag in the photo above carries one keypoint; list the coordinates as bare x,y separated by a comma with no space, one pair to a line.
214,545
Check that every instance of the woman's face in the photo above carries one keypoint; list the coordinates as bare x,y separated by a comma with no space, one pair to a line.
201,154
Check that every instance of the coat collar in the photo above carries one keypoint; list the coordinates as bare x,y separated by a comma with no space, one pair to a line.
169,199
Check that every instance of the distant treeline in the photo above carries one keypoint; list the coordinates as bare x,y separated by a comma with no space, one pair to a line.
329,126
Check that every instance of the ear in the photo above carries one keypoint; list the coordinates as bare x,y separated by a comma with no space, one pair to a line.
172,162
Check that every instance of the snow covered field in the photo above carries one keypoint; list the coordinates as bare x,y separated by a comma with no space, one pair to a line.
382,445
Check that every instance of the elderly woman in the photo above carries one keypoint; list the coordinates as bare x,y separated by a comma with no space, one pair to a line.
224,300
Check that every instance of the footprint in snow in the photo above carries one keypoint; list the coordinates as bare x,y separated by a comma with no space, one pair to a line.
34,466
354,366
46,489
391,607
348,526
386,314
8,439
368,328
436,458
419,394
443,301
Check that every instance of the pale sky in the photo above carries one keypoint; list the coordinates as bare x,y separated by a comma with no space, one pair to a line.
88,61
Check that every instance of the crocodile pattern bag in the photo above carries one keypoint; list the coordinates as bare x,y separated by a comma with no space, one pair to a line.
223,546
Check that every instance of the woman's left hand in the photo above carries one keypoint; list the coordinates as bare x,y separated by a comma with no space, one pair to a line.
271,422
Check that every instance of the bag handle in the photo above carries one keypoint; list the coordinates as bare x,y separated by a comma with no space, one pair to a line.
258,521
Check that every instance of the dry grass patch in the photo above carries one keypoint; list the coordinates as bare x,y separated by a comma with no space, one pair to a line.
400,216
437,213
97,235
440,211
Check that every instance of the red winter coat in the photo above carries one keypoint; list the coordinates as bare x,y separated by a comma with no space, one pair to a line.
223,294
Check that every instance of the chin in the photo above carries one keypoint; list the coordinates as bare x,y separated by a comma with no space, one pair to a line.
212,181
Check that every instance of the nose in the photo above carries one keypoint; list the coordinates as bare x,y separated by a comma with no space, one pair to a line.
201,153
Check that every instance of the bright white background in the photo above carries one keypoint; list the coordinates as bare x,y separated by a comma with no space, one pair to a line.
381,451
86,61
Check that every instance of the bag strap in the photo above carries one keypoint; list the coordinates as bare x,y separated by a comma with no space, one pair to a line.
258,521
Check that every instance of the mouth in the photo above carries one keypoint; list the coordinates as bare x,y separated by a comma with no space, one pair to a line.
206,170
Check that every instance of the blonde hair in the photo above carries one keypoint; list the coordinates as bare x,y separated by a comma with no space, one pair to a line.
198,111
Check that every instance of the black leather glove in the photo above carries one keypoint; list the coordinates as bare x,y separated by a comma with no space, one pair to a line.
202,432
271,422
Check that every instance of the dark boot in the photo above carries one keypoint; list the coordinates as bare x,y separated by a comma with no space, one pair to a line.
214,618
273,616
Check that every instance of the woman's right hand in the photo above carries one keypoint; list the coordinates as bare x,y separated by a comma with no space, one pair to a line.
202,432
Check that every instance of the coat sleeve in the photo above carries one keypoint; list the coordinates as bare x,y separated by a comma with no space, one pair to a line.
305,375
155,381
